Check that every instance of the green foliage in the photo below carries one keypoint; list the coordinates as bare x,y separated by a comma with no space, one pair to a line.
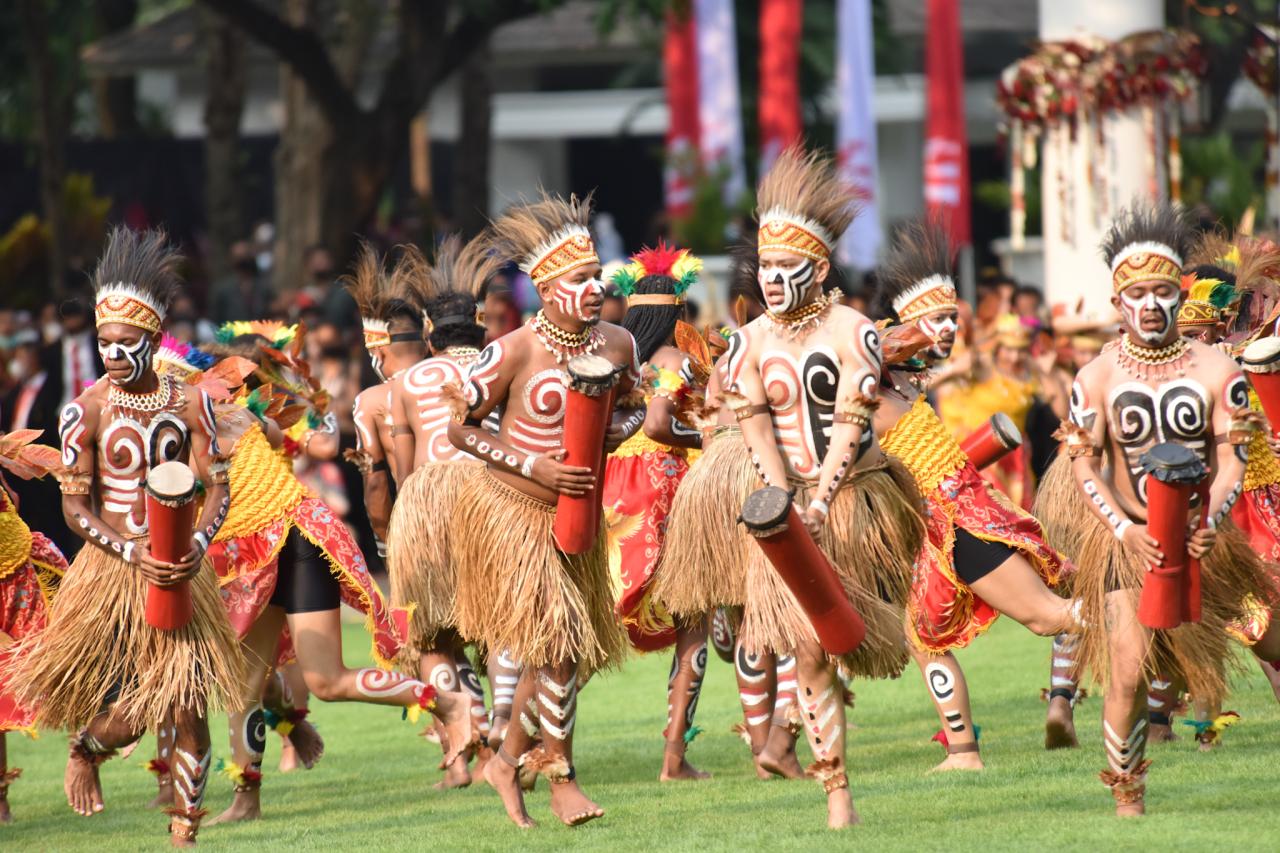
705,229
996,195
24,249
1223,175
372,788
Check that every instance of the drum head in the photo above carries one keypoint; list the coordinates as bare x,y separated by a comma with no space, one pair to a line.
1006,430
590,367
171,480
1262,356
766,508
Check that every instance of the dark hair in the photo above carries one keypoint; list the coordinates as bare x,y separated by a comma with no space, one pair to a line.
454,325
744,274
921,249
1029,290
397,310
652,325
1145,222
1203,271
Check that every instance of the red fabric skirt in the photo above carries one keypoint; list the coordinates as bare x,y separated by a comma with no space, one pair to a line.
25,594
1257,514
637,495
248,567
944,613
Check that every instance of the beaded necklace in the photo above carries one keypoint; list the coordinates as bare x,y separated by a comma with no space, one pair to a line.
155,401
795,324
1159,364
563,344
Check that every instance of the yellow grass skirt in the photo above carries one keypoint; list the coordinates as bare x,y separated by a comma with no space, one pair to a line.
418,554
517,592
1231,577
98,647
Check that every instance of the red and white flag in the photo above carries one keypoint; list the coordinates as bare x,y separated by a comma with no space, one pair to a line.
719,110
780,25
856,129
946,147
680,70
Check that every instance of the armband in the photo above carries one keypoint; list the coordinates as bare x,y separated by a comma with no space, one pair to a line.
1077,439
220,472
1120,529
401,429
74,482
857,411
1244,423
821,506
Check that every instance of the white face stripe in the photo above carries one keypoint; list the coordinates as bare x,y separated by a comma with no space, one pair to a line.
795,284
1134,307
138,355
569,296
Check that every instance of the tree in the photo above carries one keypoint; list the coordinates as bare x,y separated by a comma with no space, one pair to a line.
336,155
223,108
116,98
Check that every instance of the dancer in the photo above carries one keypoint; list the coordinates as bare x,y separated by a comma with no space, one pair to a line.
30,568
98,668
285,558
516,591
392,325
643,475
704,551
804,379
983,556
1153,387
429,471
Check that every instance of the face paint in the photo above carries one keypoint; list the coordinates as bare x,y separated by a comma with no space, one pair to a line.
375,358
1135,307
794,282
138,356
570,298
942,330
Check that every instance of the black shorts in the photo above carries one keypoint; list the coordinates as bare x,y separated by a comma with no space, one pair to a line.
976,558
304,583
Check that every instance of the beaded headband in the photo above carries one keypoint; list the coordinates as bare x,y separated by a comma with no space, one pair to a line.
784,231
569,248
925,297
1145,261
375,334
124,303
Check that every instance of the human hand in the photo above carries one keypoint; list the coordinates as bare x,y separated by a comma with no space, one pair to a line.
573,480
1137,538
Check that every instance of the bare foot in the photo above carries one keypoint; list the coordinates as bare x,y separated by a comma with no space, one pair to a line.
786,765
246,805
960,761
1060,725
288,757
177,840
676,766
1131,810
453,708
164,796
840,810
308,745
80,782
502,778
456,775
571,805
1160,733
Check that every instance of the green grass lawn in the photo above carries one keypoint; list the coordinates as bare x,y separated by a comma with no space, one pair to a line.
373,789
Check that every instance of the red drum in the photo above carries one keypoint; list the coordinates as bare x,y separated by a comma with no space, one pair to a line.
588,406
171,512
1261,360
1174,473
992,441
772,519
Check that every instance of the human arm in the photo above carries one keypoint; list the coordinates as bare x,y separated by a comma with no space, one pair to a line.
750,405
371,460
403,438
1230,447
660,422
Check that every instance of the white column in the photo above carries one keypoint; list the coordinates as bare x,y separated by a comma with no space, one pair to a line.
1073,220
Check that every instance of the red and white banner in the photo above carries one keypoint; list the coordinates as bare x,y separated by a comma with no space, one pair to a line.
856,129
780,25
946,147
719,110
680,72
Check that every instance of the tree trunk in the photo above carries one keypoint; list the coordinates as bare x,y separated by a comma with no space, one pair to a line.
115,98
224,201
471,166
52,107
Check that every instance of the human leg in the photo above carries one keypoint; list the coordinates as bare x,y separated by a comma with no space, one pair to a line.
950,694
1124,709
688,666
557,698
821,700
1064,692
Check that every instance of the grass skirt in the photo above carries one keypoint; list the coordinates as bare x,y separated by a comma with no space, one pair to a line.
418,554
872,534
98,647
705,550
1233,579
517,592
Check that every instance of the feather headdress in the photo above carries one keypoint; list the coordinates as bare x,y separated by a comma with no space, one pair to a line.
678,265
915,279
448,288
547,238
136,279
219,379
1147,242
803,206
